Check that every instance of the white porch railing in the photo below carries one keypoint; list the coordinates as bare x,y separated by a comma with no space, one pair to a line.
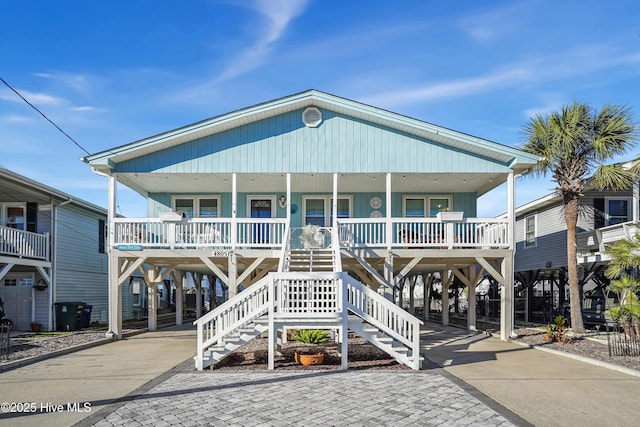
597,241
256,233
412,233
24,244
308,296
198,233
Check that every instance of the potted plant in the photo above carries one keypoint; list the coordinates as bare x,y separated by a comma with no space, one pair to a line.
312,337
36,327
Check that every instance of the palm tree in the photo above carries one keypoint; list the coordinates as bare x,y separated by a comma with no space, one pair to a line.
573,144
625,258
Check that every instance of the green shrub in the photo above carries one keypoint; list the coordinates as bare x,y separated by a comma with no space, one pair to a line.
310,336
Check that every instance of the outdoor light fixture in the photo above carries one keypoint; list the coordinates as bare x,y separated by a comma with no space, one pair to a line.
282,202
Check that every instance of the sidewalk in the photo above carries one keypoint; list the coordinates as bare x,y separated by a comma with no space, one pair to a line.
543,388
96,377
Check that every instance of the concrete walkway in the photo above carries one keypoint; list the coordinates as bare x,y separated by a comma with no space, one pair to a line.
91,378
543,388
149,379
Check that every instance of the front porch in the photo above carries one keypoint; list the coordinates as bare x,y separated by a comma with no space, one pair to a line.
233,252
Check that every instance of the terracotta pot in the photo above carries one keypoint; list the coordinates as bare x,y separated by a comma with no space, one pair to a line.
36,327
309,359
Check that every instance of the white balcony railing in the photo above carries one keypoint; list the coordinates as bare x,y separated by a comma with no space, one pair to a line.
24,244
198,233
257,233
597,241
414,233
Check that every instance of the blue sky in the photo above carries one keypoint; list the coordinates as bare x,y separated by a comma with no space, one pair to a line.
110,73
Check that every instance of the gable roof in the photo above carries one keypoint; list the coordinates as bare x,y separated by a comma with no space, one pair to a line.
516,159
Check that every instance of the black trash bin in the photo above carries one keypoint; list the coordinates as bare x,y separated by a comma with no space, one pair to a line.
86,316
69,315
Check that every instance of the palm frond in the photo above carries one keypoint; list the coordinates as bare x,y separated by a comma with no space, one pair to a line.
613,177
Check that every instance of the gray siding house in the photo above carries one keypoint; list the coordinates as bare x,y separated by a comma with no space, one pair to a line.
52,249
541,251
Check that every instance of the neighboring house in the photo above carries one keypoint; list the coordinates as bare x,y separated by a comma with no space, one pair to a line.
541,251
229,198
54,241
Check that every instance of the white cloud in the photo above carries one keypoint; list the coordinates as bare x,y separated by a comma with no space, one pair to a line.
83,108
278,14
14,118
32,97
77,82
572,63
489,26
450,89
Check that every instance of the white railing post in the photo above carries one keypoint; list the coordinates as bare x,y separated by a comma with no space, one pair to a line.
271,298
200,344
344,329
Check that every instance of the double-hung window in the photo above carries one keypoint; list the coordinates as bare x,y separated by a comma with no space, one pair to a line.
617,210
318,209
197,206
15,216
425,206
530,231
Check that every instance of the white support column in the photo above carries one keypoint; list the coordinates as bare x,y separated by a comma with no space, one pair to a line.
388,264
272,330
426,284
334,205
344,330
152,311
506,298
471,300
445,297
288,206
234,210
197,281
115,290
178,280
232,264
389,228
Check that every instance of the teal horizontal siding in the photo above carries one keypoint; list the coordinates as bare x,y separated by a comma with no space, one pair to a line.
465,202
283,144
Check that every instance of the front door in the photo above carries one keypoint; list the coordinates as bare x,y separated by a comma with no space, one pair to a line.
261,208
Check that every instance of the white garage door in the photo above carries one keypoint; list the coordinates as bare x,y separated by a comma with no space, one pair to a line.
16,294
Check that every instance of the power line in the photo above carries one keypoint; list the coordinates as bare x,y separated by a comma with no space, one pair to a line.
43,115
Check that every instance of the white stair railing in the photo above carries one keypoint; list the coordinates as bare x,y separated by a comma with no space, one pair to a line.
283,264
233,314
384,315
313,296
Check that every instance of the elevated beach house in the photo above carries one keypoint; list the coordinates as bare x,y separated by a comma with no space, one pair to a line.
541,251
316,205
52,250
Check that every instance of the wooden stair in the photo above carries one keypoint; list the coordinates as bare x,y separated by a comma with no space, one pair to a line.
399,351
313,260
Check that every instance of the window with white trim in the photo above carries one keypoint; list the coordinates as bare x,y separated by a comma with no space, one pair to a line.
425,206
617,210
318,209
530,231
15,216
197,206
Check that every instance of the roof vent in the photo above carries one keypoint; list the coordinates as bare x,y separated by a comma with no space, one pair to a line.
311,117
